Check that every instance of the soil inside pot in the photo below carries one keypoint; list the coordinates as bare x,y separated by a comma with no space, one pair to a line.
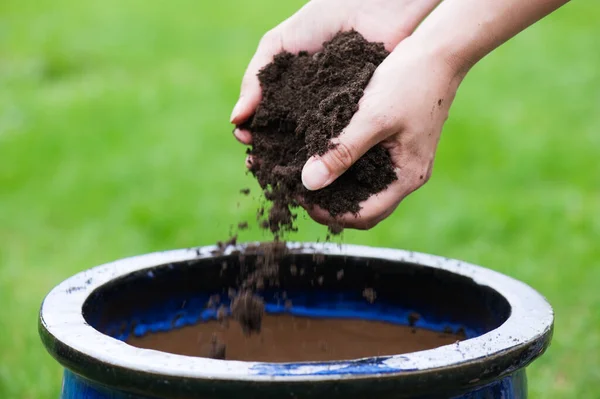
308,99
285,338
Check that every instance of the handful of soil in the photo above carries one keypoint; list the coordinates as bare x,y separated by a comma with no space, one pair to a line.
307,101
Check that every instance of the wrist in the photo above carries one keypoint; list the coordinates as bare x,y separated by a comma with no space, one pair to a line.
460,33
449,64
447,50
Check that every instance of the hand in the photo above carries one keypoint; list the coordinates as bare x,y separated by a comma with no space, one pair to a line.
386,21
406,102
404,108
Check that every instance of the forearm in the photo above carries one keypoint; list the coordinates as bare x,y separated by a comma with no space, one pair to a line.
467,30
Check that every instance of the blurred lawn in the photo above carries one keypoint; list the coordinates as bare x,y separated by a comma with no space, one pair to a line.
114,141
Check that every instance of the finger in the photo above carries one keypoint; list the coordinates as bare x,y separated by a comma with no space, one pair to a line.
411,175
373,210
251,162
363,132
243,136
319,214
250,94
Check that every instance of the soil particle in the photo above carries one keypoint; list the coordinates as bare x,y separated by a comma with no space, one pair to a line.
213,301
266,271
413,318
215,349
319,259
245,191
260,283
335,228
223,245
370,295
248,310
308,100
223,316
242,225
231,293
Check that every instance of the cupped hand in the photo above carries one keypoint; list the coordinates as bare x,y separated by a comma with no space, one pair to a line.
404,108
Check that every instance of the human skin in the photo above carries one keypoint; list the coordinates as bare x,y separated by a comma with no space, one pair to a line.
406,103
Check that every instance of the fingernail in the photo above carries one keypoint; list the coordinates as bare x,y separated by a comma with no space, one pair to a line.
315,175
243,136
236,110
249,162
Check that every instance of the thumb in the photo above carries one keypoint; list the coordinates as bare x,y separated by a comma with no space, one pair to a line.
251,93
358,138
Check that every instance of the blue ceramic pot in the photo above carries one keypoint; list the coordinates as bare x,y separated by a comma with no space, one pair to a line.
85,320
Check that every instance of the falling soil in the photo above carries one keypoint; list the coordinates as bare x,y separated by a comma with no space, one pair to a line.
308,99
286,338
248,309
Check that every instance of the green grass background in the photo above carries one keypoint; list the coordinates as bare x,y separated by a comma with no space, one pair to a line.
114,141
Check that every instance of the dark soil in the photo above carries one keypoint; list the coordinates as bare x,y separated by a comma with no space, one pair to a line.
370,295
247,307
248,310
308,99
215,349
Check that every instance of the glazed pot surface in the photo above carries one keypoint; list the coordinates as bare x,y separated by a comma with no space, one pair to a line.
86,320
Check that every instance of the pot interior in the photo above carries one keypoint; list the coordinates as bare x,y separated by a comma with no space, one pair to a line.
174,296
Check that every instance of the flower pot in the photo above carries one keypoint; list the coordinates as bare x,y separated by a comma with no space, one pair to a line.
85,321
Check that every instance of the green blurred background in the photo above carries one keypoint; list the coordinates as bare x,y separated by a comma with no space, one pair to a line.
115,141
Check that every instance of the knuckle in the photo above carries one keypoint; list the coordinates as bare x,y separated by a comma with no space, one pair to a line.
419,177
427,176
427,171
378,114
248,80
379,121
269,39
341,156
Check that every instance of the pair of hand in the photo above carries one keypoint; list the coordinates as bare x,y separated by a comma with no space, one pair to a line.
404,107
